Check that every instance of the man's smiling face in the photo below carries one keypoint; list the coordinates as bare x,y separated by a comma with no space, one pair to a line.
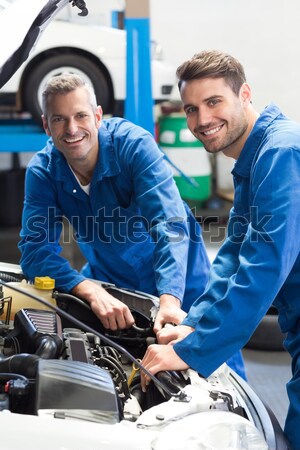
73,124
215,114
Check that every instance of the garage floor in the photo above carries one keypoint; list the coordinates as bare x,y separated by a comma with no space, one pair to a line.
267,372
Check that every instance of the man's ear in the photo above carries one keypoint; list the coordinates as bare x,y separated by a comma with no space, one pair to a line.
98,116
45,125
245,94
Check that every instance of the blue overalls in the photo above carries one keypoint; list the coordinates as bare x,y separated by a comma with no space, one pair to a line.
259,262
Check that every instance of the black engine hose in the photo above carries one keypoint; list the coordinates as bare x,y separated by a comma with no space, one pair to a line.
63,296
8,277
48,347
23,364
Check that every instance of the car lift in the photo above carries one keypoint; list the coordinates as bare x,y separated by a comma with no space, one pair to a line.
139,101
23,135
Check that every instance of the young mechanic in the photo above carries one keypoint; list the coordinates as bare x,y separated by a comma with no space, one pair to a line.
259,262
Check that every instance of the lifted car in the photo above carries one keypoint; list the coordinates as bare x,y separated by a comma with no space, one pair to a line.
96,53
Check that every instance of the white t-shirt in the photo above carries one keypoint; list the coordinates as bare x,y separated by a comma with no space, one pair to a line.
85,188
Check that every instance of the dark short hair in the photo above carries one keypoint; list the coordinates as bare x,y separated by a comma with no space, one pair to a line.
212,64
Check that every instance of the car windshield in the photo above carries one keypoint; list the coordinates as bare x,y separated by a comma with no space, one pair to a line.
19,40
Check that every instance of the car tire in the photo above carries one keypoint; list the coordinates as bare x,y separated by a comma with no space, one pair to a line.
268,335
39,74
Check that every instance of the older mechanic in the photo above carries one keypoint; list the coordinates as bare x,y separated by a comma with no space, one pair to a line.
259,263
131,225
111,182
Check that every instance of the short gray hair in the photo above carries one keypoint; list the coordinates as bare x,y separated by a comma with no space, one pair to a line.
62,85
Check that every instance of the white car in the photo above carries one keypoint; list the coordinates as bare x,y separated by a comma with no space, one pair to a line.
95,52
70,384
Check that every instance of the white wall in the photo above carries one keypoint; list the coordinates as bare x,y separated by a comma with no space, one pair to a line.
99,11
263,34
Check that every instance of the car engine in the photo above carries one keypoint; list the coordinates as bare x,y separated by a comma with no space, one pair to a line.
48,364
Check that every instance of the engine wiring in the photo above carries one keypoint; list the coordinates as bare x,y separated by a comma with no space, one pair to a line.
179,396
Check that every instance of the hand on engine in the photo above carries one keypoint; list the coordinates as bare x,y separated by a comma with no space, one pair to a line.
169,312
173,334
158,358
164,357
113,313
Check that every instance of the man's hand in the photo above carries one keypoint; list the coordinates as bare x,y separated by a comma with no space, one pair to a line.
158,358
172,334
169,312
163,357
114,315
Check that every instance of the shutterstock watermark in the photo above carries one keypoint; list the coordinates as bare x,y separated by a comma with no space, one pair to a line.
115,226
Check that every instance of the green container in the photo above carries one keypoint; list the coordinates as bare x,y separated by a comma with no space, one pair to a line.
188,154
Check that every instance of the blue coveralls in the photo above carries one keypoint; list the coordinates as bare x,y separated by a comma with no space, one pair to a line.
132,228
259,262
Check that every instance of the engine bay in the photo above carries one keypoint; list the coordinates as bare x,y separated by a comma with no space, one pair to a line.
58,362
49,364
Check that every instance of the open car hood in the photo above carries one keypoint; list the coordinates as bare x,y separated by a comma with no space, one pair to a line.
21,25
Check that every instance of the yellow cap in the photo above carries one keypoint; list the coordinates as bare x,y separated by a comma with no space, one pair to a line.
44,283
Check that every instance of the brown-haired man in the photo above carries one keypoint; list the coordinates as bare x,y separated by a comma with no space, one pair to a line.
259,262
